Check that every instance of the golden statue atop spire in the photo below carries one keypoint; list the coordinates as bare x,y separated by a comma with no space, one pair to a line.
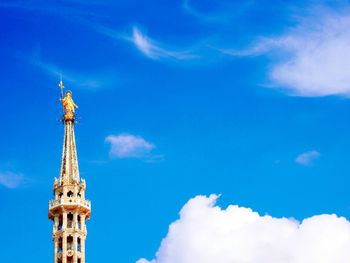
68,104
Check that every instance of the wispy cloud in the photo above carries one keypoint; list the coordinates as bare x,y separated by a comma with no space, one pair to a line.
66,9
147,46
262,46
76,11
10,179
186,5
130,146
226,13
207,233
92,81
312,58
307,158
155,50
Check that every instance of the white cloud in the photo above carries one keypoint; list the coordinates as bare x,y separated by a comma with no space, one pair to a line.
186,5
147,46
205,233
66,10
11,179
129,146
307,158
224,11
313,57
88,80
155,50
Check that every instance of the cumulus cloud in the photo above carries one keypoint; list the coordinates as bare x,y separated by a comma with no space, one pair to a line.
129,146
307,158
206,233
11,179
313,57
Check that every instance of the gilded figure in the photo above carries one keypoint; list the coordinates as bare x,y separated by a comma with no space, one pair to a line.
69,106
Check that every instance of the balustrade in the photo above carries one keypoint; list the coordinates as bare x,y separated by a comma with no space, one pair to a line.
85,203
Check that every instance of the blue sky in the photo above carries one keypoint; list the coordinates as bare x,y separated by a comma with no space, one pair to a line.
176,99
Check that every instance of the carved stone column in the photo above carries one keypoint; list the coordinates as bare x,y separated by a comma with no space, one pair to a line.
82,250
56,223
75,249
55,250
64,220
64,248
83,228
75,221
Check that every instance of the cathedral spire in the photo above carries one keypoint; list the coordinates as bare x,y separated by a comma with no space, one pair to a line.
69,209
69,168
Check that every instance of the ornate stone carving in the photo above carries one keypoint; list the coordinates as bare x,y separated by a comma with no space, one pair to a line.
69,209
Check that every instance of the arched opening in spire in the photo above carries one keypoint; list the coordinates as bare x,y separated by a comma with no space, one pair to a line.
60,222
70,243
79,222
79,244
70,220
59,245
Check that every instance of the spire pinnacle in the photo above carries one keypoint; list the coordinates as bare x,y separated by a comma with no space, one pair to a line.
69,209
61,84
69,169
68,104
